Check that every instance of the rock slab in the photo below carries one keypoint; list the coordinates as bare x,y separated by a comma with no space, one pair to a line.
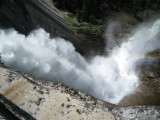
45,100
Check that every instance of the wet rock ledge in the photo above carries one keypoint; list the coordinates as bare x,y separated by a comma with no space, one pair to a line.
32,98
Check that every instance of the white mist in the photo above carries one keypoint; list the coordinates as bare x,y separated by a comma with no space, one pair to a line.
107,78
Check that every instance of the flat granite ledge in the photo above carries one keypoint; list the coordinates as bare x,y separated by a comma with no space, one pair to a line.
47,100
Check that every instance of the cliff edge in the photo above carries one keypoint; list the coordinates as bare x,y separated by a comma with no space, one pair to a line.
27,15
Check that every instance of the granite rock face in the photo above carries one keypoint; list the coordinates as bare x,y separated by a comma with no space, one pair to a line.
27,15
32,98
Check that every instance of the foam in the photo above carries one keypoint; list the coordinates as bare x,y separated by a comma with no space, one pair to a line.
107,78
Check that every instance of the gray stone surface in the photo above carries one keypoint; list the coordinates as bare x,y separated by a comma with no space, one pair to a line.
45,100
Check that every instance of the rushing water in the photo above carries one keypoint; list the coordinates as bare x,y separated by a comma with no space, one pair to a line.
108,78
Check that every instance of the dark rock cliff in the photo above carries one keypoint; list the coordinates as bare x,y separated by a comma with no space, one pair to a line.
26,15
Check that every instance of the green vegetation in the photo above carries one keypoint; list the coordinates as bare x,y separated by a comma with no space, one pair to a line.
93,11
90,35
85,10
86,17
81,27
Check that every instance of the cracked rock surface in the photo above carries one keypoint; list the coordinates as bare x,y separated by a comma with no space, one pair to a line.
44,100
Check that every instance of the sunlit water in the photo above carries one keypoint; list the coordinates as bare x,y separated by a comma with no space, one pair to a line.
108,78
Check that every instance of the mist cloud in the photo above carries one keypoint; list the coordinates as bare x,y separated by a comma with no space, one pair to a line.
108,78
